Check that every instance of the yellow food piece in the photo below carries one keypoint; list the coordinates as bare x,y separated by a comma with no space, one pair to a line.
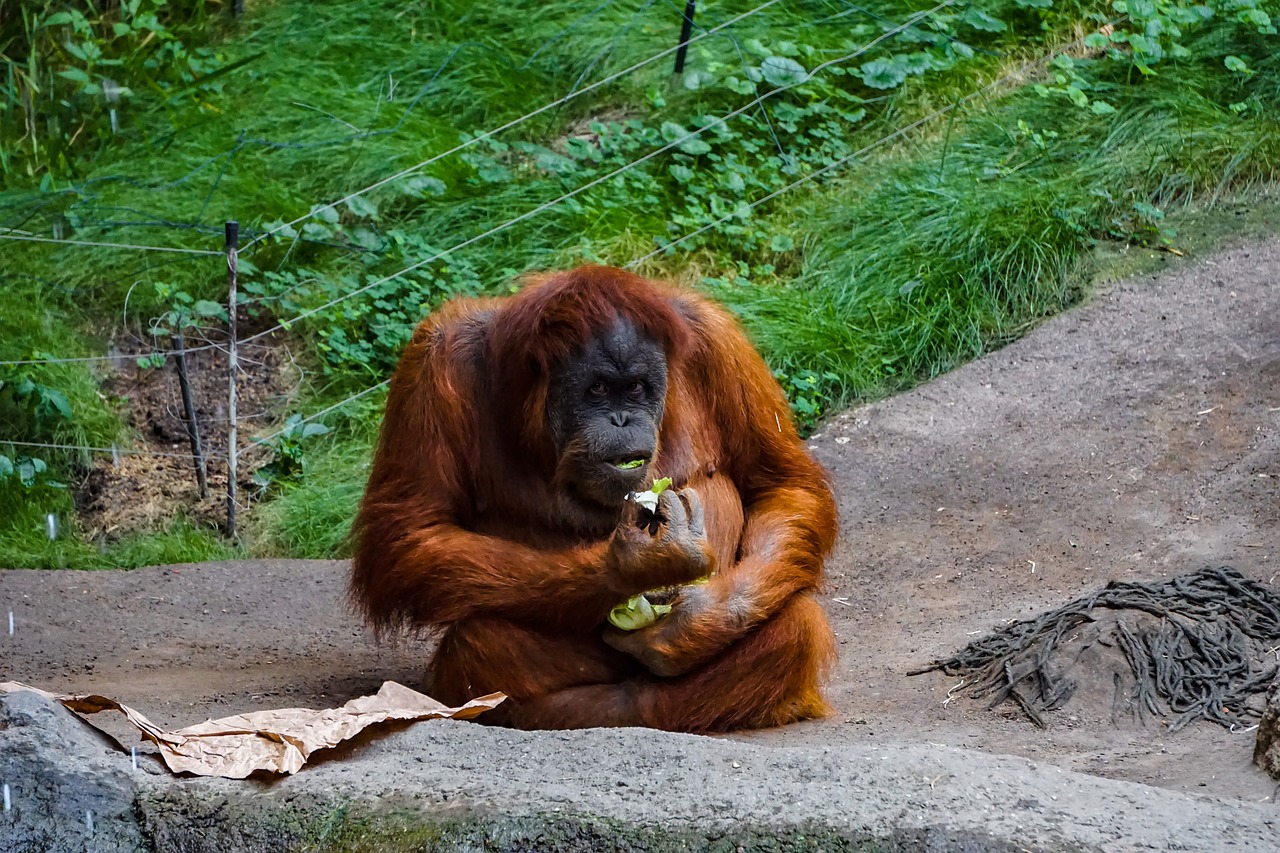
636,613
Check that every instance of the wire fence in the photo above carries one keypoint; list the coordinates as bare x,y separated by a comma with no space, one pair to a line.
234,346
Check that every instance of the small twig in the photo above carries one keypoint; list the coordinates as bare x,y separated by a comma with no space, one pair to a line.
951,694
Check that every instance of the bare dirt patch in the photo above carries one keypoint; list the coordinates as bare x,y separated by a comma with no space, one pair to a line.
1137,437
136,492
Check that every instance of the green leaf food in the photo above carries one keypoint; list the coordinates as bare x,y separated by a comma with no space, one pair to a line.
636,613
649,499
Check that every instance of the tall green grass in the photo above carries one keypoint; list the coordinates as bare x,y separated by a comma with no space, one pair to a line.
916,264
935,249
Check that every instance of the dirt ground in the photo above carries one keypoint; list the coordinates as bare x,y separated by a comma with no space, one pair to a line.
139,492
1134,438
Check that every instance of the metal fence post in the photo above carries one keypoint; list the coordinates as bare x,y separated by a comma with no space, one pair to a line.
189,412
686,29
233,242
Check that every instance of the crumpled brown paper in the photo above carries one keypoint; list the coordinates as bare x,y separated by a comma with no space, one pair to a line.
277,741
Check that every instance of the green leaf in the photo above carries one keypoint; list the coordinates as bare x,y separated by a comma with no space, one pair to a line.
694,80
28,468
1257,17
671,131
783,71
1034,4
781,243
980,20
1148,211
314,429
286,231
1101,108
76,74
325,213
1235,63
208,308
917,63
683,174
57,401
6,466
694,146
423,185
882,74
633,614
363,207
549,161
58,19
494,173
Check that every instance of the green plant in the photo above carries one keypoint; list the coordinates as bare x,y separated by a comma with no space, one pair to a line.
31,410
27,471
75,70
928,250
181,314
809,394
288,459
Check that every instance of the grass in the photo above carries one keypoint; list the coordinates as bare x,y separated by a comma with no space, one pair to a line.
312,516
26,543
993,227
930,251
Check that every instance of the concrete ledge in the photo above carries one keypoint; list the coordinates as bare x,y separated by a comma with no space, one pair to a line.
459,786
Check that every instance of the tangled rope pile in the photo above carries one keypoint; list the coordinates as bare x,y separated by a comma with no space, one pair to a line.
1202,657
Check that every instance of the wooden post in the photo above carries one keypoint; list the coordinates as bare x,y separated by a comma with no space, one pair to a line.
189,412
686,29
233,242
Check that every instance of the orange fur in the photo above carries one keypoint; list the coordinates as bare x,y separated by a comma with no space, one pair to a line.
462,526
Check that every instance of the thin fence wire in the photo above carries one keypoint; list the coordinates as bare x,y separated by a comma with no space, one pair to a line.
513,123
902,131
896,134
675,143
317,415
131,246
112,451
82,359
403,173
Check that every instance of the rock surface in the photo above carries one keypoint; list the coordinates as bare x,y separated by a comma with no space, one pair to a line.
1266,747
447,785
68,787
